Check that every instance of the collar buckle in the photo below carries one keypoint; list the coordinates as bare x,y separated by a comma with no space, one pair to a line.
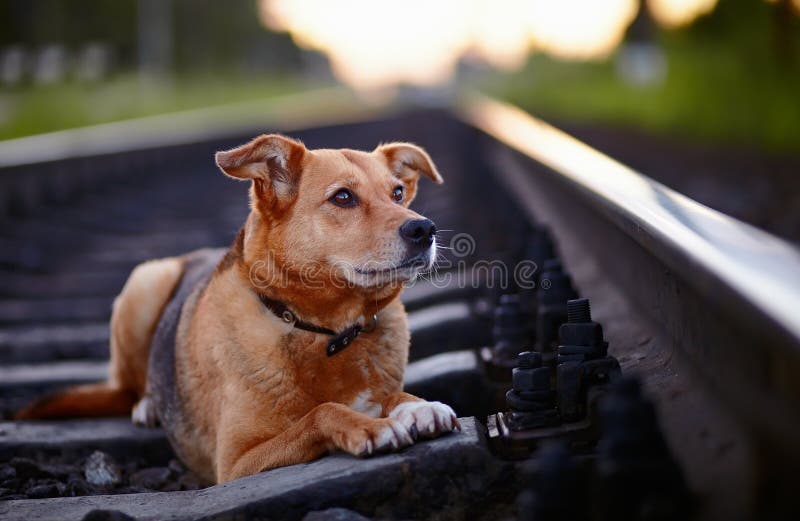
370,325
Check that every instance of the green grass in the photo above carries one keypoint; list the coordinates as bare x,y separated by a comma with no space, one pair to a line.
716,90
39,109
711,93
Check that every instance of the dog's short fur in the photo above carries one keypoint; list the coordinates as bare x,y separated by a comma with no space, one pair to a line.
239,390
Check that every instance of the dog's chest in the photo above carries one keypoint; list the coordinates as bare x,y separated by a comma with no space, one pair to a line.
364,403
360,376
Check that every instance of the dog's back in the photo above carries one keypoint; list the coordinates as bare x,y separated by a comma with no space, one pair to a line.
136,313
161,389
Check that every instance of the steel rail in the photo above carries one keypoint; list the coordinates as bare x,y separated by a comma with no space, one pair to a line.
727,294
287,112
762,268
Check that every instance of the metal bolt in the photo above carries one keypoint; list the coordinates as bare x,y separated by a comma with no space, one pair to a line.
552,265
635,471
580,338
552,307
529,359
510,329
579,311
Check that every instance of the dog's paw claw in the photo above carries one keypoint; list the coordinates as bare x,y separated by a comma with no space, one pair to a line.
383,435
392,436
426,419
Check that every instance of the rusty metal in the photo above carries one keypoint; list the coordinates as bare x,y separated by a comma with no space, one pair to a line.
557,401
555,289
636,475
537,249
582,360
724,291
559,487
631,476
531,400
511,332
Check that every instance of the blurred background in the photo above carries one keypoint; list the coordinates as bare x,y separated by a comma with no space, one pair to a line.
699,94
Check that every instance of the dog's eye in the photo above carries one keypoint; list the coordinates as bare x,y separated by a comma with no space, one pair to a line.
398,194
343,198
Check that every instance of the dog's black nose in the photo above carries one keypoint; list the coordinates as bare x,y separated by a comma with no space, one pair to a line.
419,232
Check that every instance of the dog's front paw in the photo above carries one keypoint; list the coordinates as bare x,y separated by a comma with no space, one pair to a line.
427,419
379,435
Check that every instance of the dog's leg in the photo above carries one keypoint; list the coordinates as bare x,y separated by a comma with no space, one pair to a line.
326,427
134,317
426,419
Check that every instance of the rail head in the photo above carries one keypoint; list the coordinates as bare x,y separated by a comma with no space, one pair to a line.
313,108
762,269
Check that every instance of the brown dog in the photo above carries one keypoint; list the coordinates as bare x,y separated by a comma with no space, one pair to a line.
291,343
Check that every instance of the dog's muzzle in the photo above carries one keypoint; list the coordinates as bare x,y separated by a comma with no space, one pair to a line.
418,235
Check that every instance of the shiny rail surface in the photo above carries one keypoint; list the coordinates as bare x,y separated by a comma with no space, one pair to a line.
712,248
291,111
725,294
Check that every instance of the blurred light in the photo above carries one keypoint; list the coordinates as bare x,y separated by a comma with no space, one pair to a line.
679,13
795,5
577,29
641,64
495,39
373,43
378,43
93,62
12,65
51,64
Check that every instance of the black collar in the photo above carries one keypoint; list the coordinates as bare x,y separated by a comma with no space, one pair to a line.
335,344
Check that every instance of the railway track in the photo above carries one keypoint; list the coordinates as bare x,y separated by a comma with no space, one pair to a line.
701,308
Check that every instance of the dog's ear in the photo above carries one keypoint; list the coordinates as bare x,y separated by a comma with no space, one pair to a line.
406,159
269,161
407,162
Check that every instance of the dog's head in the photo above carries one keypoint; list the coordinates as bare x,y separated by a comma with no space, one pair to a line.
343,213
